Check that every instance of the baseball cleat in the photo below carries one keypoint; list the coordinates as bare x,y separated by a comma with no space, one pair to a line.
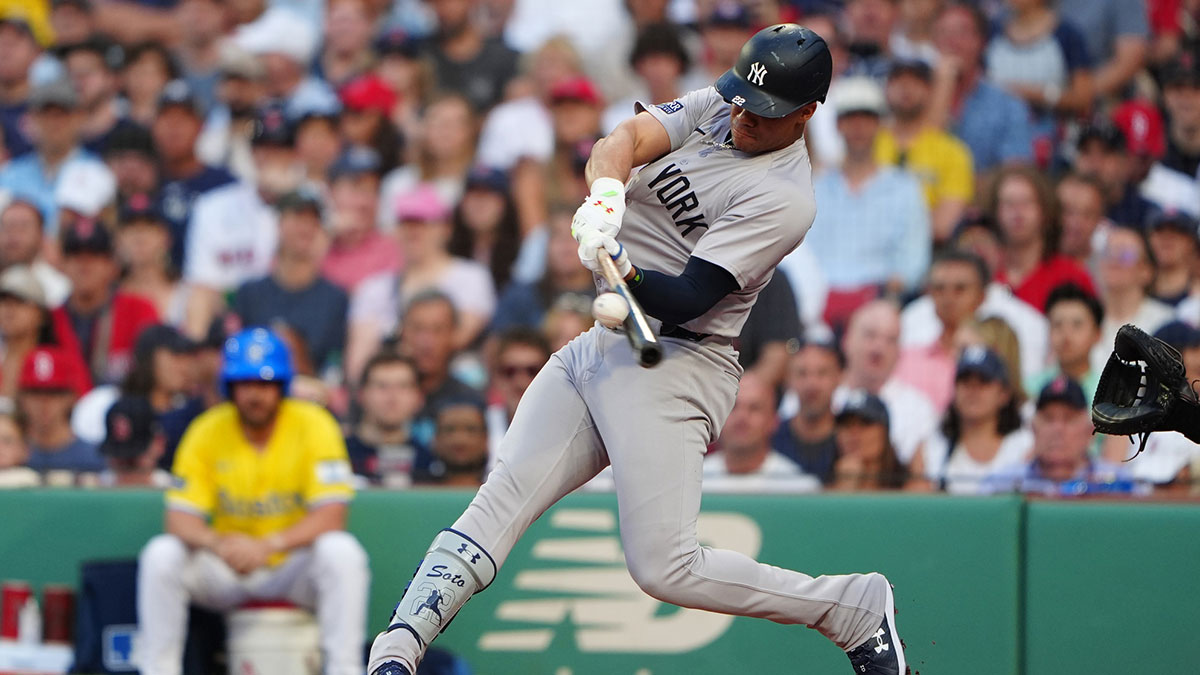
882,653
391,668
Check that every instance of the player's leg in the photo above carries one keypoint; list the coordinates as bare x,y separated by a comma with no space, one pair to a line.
332,578
656,442
169,578
550,449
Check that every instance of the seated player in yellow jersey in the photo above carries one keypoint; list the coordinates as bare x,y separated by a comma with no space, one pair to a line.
257,511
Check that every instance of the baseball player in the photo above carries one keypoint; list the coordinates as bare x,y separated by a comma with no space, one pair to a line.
724,192
257,511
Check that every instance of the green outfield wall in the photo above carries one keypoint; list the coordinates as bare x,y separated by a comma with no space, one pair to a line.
983,586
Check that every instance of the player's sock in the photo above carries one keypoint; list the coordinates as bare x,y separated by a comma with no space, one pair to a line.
454,569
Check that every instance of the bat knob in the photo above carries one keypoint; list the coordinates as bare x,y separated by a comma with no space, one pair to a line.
650,355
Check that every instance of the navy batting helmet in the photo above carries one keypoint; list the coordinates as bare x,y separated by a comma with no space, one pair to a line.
781,69
256,354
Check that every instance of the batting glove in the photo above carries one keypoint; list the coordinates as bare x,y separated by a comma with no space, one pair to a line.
591,244
602,210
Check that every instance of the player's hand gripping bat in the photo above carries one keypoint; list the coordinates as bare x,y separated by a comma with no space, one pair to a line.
637,328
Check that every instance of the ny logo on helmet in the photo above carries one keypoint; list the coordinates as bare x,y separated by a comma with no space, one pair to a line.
757,72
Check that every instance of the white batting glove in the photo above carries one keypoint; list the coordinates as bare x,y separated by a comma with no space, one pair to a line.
590,245
602,210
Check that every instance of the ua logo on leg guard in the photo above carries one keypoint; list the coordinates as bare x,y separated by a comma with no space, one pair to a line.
467,551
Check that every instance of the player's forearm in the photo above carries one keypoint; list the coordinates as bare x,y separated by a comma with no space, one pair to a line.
612,156
191,529
324,518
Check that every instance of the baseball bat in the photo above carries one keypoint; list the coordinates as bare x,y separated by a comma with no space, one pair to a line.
637,328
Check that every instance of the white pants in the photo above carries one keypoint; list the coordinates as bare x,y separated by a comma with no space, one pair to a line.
593,405
331,577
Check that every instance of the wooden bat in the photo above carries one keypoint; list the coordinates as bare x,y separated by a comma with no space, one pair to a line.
643,340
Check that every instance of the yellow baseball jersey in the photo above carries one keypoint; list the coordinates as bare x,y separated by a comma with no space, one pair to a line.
940,161
218,474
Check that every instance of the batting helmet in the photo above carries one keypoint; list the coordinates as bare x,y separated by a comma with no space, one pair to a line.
256,354
781,69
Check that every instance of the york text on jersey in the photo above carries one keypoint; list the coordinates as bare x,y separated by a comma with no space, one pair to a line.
675,193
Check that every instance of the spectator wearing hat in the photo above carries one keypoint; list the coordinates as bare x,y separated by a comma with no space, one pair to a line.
22,243
73,21
143,250
460,446
1061,465
147,69
444,152
1146,143
55,120
1022,204
240,90
1181,99
526,303
1103,153
318,144
744,459
130,154
807,438
133,444
358,249
1174,239
981,433
176,129
25,324
382,449
939,160
366,118
883,205
1126,272
51,381
101,320
660,60
1116,33
576,108
992,122
295,292
1076,318
465,61
722,33
424,235
485,229
19,50
346,48
287,43
93,68
233,233
1082,219
866,460
198,51
1168,458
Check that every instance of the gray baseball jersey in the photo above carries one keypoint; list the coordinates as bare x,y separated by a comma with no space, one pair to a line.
739,211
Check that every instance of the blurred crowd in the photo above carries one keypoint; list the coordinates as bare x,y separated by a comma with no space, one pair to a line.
388,187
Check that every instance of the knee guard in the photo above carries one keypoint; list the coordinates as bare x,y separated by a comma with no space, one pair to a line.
454,569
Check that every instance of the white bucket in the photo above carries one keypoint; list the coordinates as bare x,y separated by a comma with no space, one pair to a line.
269,641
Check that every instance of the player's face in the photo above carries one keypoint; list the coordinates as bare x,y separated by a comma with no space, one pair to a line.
814,374
754,134
977,399
1073,332
956,292
1061,435
391,396
257,402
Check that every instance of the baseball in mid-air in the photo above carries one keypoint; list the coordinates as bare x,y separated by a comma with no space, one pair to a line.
610,309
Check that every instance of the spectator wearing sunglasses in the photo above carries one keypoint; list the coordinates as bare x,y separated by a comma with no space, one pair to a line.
1126,270
520,353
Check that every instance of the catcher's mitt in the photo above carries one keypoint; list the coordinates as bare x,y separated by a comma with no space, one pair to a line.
1144,389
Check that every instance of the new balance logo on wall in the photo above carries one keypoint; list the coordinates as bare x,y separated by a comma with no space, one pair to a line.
592,595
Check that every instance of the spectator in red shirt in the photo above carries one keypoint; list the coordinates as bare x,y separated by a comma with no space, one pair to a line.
103,321
1022,203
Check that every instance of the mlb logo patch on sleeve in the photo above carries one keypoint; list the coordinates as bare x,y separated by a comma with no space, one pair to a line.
670,107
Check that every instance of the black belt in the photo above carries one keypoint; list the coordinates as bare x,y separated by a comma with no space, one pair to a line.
682,333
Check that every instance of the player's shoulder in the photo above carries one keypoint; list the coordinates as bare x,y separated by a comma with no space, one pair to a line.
294,411
217,420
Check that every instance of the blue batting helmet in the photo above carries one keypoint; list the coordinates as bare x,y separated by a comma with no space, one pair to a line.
256,354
